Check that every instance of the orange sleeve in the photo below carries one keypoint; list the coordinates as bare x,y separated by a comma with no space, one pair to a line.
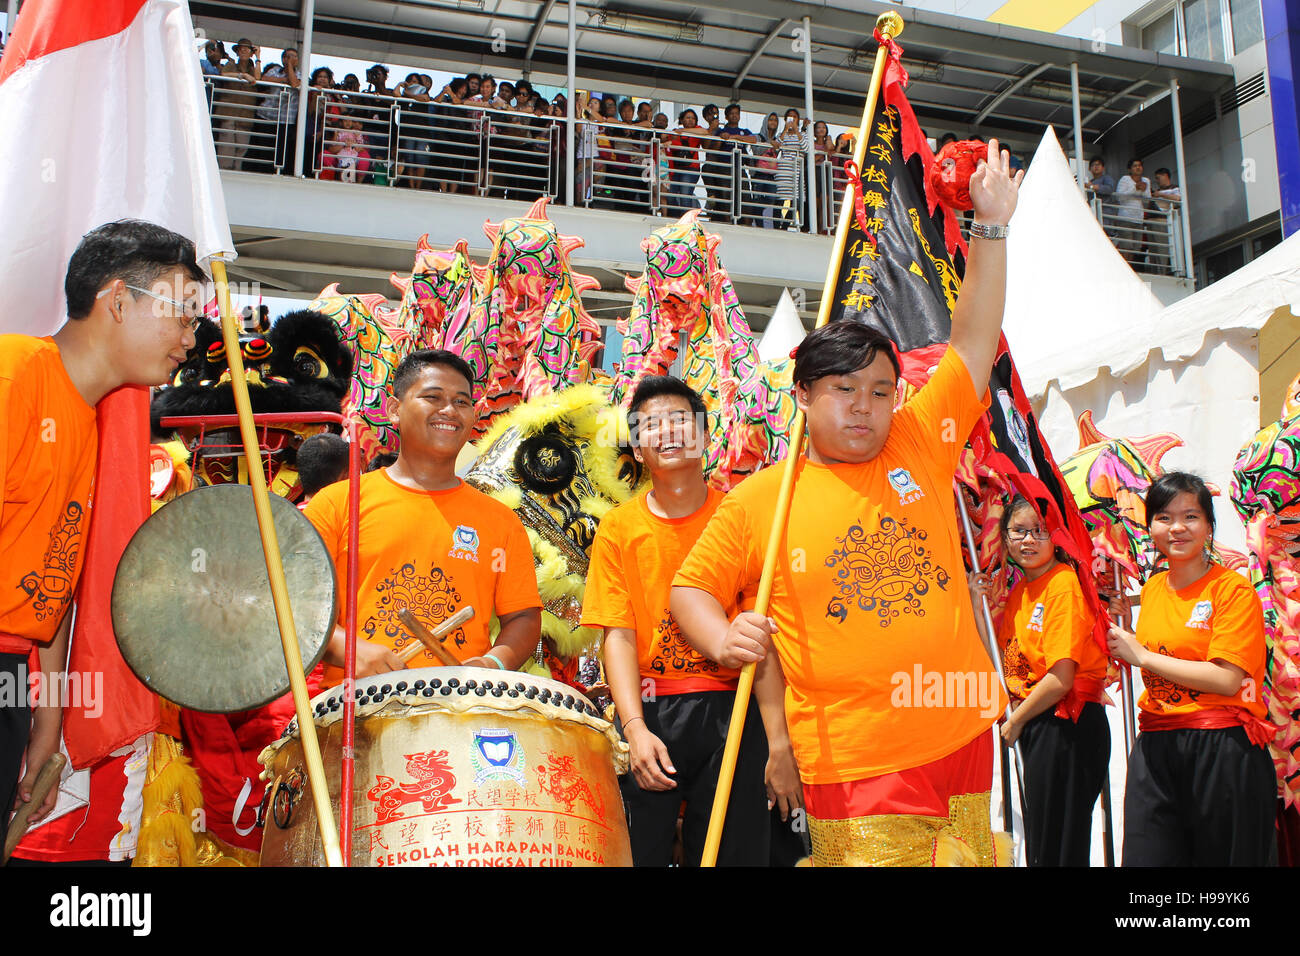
946,409
1238,635
1067,622
516,588
324,513
607,601
725,561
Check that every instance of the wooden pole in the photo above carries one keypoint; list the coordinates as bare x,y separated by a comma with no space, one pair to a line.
890,25
1125,677
275,571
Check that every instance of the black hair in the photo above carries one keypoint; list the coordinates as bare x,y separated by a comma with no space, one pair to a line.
1174,483
625,102
322,460
1134,160
317,72
473,76
382,460
730,107
410,368
1096,159
1165,170
1016,503
657,386
841,348
947,138
458,81
132,250
681,117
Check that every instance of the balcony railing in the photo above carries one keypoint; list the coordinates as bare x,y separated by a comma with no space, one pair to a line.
475,150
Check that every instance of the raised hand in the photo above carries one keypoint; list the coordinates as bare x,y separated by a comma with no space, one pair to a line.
993,190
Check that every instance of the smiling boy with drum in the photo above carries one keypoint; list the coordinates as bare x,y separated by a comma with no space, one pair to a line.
428,541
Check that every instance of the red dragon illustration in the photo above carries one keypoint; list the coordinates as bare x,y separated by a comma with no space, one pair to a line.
435,781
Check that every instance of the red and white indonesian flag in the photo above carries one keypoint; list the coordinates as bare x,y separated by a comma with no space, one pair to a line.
102,117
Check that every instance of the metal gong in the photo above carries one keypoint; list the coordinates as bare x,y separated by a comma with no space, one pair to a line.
192,602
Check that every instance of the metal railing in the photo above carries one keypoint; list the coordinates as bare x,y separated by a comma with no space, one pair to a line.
1147,232
477,150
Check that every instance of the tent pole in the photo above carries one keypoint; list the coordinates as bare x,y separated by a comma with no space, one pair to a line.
1078,125
304,81
811,191
1182,179
569,104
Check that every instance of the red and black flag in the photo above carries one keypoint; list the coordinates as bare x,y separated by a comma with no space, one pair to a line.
903,263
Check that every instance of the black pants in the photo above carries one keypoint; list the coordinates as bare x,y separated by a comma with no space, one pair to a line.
1199,798
694,729
15,726
1064,764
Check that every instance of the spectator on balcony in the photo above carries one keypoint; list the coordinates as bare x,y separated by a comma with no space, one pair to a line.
643,111
587,148
323,112
347,150
735,146
763,191
793,140
350,84
1164,234
235,104
276,126
473,81
214,53
626,184
609,107
1132,193
1100,184
716,168
683,147
415,129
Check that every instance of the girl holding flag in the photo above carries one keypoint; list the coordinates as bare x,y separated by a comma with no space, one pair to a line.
1201,785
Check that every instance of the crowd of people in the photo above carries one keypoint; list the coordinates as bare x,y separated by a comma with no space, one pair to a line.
1136,214
501,138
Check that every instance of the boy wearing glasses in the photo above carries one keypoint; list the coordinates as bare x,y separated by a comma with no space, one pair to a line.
127,325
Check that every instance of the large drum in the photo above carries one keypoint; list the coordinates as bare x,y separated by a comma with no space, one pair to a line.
457,766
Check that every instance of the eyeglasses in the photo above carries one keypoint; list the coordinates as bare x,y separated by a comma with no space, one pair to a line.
1037,534
188,319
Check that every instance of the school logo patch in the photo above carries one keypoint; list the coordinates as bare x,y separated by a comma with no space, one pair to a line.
464,543
496,755
1036,619
1200,618
908,490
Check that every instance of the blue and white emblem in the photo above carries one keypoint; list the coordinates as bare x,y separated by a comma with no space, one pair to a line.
496,755
1036,619
908,490
1201,615
464,543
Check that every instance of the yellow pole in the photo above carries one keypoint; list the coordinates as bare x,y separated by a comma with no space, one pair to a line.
329,833
890,25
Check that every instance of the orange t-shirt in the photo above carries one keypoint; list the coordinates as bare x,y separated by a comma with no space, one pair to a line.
1218,617
1047,621
48,444
431,551
633,560
884,667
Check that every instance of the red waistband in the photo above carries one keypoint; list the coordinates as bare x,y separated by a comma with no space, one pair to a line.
923,790
1260,732
13,644
1086,690
668,687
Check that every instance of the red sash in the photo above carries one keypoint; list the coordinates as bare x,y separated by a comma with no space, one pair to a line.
1260,732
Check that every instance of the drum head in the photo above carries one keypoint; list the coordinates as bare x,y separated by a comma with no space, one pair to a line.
192,605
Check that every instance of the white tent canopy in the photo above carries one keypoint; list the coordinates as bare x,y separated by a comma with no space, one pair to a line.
1070,295
784,331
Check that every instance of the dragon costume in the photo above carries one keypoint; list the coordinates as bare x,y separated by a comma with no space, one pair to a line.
1266,494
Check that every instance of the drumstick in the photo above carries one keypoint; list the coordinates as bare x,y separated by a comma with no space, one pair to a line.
51,770
430,639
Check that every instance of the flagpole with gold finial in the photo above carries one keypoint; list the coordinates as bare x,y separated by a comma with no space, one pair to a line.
890,26
275,571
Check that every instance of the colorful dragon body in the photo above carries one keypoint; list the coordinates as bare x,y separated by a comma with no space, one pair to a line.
1266,493
685,294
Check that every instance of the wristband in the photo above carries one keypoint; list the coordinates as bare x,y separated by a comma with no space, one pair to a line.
496,660
626,722
980,231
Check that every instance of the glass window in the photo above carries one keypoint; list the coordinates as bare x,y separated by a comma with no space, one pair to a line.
1204,28
1161,35
1247,24
1224,263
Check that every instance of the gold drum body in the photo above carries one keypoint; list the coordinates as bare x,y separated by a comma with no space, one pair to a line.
457,766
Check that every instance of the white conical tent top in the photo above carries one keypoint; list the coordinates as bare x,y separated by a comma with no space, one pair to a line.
1070,294
784,331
